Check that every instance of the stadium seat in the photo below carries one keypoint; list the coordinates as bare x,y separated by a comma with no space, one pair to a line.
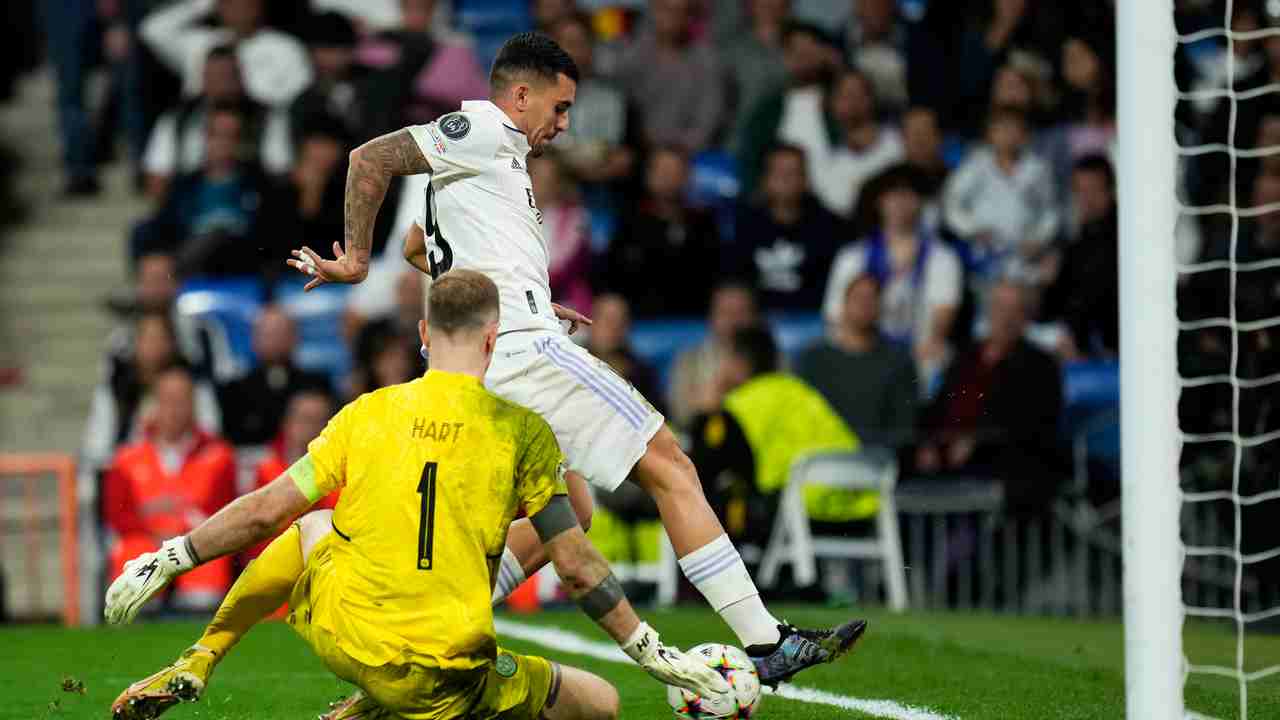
791,540
222,311
319,317
658,342
714,184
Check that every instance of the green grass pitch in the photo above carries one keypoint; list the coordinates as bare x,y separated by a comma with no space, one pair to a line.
959,665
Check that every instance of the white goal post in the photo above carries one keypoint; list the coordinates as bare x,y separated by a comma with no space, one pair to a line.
1150,440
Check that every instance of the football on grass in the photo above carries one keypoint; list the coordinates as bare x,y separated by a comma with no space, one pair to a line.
736,668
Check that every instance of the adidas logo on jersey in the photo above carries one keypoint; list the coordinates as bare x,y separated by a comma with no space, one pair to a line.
515,164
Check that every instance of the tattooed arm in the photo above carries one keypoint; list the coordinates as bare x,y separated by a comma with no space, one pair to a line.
373,164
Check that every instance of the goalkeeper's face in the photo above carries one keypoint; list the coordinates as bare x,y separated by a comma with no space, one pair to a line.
547,111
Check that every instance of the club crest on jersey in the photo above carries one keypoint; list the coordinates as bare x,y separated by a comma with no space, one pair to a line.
505,665
455,126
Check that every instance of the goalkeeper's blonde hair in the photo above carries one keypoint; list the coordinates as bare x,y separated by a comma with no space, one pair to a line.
462,300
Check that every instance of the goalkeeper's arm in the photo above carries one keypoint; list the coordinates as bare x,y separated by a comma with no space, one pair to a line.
246,521
592,584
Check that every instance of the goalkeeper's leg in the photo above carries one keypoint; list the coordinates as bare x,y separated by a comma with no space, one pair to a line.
262,587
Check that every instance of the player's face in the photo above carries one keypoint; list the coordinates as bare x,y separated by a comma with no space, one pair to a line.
547,112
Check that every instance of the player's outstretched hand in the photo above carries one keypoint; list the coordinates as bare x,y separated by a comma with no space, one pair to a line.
143,577
343,269
671,666
574,317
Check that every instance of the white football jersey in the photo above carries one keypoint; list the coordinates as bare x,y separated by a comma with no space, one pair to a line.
480,212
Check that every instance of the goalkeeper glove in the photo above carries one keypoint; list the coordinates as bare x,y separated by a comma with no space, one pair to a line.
146,575
672,667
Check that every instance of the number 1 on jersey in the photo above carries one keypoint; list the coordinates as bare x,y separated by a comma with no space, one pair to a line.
427,518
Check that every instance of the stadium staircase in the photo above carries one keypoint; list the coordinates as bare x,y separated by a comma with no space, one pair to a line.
55,271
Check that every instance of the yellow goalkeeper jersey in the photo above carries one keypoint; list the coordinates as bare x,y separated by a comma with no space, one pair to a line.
432,472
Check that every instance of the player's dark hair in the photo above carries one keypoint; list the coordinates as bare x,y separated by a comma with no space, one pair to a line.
530,55
1095,162
462,300
756,345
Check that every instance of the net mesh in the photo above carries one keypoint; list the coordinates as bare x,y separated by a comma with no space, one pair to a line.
1229,337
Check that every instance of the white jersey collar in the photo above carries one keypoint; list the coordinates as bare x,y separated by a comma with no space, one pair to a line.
518,138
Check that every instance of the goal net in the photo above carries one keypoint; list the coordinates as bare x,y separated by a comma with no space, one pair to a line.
1200,349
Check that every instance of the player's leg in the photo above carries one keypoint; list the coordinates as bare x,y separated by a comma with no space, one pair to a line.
265,584
711,562
524,554
262,587
581,695
707,557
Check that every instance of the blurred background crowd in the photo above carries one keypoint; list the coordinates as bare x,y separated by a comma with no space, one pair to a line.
906,208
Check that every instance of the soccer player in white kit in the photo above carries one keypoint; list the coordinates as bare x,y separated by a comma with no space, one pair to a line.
481,214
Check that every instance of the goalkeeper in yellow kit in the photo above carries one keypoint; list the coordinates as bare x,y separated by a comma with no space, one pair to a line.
392,589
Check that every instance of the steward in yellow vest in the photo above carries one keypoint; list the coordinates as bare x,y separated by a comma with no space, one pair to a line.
767,421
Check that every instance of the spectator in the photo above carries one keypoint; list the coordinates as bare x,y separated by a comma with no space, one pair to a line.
922,150
135,361
70,30
400,319
549,14
305,415
1090,106
383,358
254,405
674,80
997,413
610,340
155,286
871,383
276,68
417,71
874,40
745,448
210,220
692,391
177,142
785,243
567,229
1084,283
921,277
1010,29
753,56
595,146
166,484
810,58
368,16
308,203
335,95
846,147
386,348
1002,201
660,236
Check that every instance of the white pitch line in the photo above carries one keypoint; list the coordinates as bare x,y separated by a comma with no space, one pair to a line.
565,641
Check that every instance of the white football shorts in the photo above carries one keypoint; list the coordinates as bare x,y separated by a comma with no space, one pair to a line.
602,423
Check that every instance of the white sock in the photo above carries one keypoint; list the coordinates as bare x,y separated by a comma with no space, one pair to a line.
718,572
510,575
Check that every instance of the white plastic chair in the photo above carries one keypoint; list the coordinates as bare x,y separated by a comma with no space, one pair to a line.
791,540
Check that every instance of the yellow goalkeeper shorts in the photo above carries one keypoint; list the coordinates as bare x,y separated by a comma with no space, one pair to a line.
512,687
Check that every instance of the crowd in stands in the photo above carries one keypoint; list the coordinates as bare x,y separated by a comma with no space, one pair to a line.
930,181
